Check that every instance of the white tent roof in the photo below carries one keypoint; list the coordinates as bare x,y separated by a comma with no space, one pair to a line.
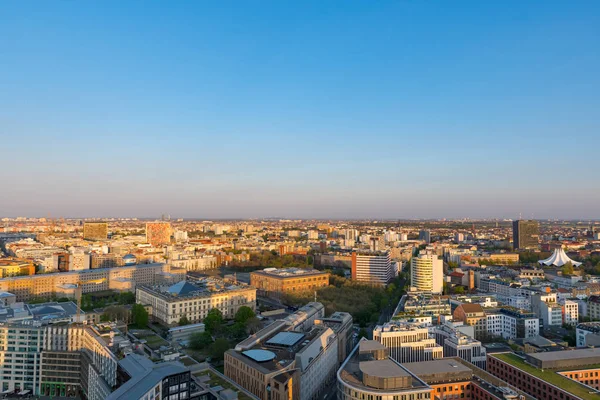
558,259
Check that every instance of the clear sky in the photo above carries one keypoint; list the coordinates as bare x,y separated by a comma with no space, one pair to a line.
372,109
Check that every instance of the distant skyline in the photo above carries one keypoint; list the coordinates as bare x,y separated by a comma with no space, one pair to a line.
241,109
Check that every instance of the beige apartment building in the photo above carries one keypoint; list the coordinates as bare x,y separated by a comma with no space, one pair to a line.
63,284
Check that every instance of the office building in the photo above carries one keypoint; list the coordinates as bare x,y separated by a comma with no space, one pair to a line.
454,378
570,312
593,307
145,380
194,300
372,267
15,267
513,323
408,342
553,375
473,315
341,323
56,360
370,373
457,343
425,236
588,334
526,234
275,282
283,361
95,230
92,280
427,273
158,233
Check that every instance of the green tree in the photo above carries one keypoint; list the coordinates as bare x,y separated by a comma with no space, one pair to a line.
126,298
253,325
362,333
139,315
184,321
213,320
200,340
218,348
243,314
459,290
567,269
237,331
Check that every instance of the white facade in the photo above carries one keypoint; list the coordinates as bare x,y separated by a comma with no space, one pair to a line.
318,362
570,312
427,273
408,342
372,268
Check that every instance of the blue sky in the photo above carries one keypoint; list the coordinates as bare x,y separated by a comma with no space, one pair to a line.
374,109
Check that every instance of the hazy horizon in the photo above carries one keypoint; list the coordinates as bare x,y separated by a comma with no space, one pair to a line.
374,110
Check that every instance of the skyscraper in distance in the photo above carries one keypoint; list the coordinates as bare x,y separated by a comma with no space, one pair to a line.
526,234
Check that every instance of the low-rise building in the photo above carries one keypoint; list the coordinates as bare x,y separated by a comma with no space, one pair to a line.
16,267
276,282
554,375
194,300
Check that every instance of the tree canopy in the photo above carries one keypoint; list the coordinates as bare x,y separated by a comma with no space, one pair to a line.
139,316
243,314
213,320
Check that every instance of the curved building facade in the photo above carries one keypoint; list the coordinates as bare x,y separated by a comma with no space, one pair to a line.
427,273
369,373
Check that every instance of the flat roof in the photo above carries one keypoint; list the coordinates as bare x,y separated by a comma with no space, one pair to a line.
286,338
441,366
567,355
385,368
550,376
289,272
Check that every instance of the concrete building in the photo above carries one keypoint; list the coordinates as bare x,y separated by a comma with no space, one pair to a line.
526,234
427,273
425,236
454,378
275,282
16,267
513,324
369,373
194,300
341,323
553,375
456,343
158,233
473,315
570,312
94,280
195,263
408,342
283,361
372,267
67,360
593,307
95,230
145,380
588,334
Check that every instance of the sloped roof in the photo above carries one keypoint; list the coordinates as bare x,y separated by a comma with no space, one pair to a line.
558,259
182,288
